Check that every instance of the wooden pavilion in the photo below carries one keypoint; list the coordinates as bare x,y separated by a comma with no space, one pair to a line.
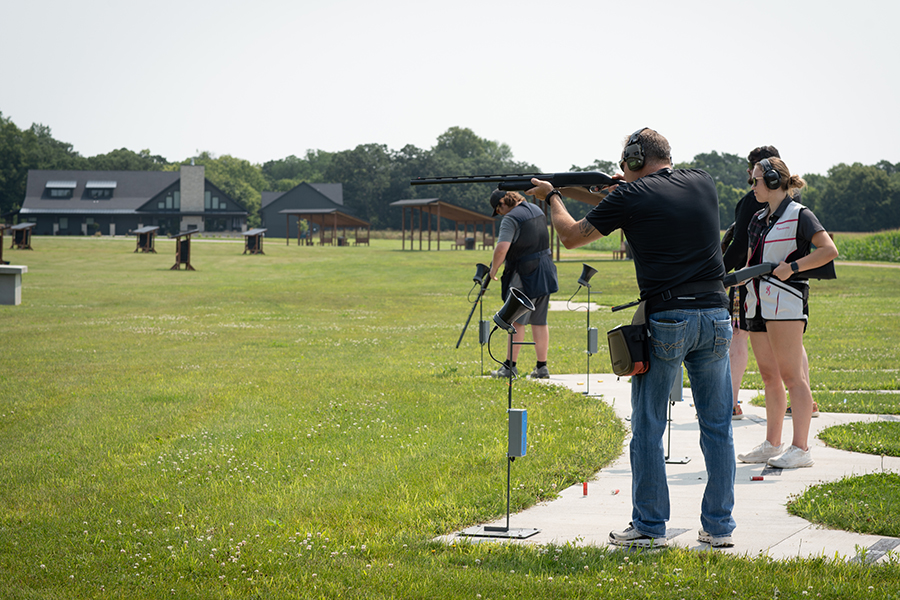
329,221
443,210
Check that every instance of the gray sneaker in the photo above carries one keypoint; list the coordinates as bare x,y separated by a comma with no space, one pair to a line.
793,458
722,541
761,453
503,372
541,373
632,537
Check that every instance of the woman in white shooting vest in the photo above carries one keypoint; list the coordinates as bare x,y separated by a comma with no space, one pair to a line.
784,232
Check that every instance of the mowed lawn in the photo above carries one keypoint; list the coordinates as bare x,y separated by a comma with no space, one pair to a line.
162,414
300,423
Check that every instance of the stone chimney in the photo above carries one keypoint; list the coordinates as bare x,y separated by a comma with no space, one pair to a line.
193,188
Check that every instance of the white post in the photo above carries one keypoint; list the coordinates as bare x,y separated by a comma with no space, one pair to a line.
11,284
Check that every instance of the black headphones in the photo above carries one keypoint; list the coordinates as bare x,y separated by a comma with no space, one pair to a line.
771,177
633,154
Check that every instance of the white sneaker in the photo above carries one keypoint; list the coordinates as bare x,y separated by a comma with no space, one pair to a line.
631,537
793,458
762,453
723,541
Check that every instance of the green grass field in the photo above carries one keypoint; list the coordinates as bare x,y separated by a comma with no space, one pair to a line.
299,424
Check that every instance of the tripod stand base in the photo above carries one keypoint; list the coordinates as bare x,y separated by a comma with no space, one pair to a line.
678,461
486,531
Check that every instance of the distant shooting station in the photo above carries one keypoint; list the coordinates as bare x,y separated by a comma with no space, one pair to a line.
22,235
253,240
183,250
146,239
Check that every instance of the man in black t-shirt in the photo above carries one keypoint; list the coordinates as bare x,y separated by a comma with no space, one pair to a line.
671,221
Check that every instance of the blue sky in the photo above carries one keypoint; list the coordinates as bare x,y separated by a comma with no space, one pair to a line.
561,83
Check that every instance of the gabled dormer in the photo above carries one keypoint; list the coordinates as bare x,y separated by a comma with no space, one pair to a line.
99,190
59,190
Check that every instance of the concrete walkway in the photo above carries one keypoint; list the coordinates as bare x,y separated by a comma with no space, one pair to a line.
764,527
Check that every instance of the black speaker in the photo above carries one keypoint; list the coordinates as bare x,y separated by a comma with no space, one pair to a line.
771,177
517,304
587,272
633,154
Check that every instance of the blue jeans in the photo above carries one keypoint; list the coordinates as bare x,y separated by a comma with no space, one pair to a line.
700,339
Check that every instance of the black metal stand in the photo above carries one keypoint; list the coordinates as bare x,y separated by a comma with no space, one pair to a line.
481,328
679,385
587,377
495,531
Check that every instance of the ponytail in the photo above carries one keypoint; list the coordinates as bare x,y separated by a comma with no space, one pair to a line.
795,184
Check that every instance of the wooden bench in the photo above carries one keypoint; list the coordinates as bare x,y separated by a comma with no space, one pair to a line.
459,243
361,238
620,253
487,242
326,238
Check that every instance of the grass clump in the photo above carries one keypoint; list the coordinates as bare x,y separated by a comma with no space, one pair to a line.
865,504
879,438
869,403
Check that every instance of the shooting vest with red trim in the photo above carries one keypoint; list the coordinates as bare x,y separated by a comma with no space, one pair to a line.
776,299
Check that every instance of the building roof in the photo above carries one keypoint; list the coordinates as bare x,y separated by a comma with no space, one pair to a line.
326,216
438,207
130,191
270,197
133,190
331,193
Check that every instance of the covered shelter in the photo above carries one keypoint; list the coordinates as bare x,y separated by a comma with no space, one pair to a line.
329,221
443,210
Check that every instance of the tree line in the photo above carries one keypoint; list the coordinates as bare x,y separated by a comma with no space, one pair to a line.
849,198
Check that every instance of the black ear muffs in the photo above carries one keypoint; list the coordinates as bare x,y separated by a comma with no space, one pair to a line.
771,177
633,154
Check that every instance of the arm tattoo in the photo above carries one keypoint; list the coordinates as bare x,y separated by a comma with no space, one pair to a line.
585,228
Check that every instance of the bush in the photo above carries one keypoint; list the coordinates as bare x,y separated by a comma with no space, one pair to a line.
884,246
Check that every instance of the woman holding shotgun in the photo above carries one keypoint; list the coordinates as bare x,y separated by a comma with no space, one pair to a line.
783,232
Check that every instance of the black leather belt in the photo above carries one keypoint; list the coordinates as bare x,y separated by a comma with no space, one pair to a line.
693,287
